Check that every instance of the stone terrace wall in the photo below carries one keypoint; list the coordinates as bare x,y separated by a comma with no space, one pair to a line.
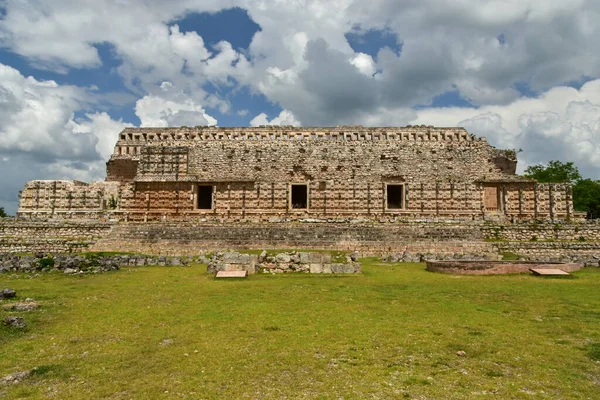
541,231
587,253
368,239
547,241
18,236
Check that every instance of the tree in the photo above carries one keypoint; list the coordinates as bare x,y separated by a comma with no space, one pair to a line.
586,197
555,172
2,213
586,192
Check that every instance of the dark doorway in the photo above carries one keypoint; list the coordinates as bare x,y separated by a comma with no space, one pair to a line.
299,196
395,196
205,197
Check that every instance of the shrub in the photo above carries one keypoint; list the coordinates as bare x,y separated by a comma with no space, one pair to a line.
47,262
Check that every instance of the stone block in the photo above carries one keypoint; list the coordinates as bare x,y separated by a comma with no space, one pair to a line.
316,268
236,258
232,274
283,258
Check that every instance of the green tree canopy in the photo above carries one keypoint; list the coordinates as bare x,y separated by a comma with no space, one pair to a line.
555,172
2,213
586,197
586,192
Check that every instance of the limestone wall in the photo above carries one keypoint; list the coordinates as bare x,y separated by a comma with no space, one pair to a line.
68,199
256,201
447,239
158,174
401,241
18,236
340,153
543,231
587,253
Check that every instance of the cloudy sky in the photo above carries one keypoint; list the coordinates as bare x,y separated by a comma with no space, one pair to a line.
73,73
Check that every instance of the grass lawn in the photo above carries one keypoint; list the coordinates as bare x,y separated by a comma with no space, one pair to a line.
392,332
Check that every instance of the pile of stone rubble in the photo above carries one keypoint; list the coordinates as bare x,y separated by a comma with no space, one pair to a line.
81,263
293,261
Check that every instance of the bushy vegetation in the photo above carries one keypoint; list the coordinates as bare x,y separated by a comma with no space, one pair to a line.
392,332
586,192
2,213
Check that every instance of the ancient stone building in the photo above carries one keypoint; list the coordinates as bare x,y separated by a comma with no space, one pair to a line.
348,173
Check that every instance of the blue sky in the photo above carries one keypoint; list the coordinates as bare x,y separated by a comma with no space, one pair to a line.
74,73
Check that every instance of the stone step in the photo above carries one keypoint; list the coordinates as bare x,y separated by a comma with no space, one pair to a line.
549,272
232,274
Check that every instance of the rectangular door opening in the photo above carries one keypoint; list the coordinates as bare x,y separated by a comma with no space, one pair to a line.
395,197
205,197
299,196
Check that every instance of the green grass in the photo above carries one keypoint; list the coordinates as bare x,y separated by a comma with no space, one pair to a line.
508,256
392,332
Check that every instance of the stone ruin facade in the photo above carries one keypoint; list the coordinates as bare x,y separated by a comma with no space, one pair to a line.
269,174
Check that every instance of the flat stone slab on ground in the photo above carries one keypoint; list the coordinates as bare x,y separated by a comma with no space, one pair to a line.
549,271
232,274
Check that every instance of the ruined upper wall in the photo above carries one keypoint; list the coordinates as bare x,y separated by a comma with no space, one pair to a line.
131,140
417,154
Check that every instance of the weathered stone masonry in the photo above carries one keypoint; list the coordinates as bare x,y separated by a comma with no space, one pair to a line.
311,174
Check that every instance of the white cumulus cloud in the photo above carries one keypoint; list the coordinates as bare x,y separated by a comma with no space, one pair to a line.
285,117
40,138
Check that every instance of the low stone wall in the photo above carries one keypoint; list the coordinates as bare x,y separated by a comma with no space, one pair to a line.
494,267
579,231
587,253
412,257
71,263
11,227
19,246
406,241
310,262
53,236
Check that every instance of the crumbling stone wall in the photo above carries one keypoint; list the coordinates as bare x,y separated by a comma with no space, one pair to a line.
69,199
76,263
121,169
282,262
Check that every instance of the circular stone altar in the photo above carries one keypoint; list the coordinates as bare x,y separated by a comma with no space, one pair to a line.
478,267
